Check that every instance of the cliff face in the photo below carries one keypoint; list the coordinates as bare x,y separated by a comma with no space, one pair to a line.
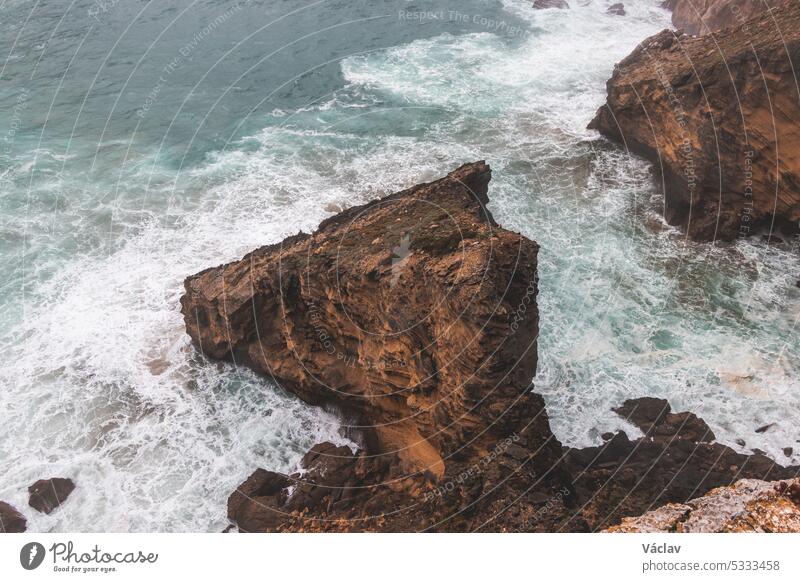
698,17
749,505
717,116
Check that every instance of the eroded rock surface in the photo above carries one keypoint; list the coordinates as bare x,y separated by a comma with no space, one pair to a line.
717,115
415,316
749,505
698,17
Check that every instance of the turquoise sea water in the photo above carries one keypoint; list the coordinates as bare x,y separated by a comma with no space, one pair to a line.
141,142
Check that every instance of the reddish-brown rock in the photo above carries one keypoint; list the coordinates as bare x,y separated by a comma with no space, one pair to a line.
47,494
717,115
698,17
415,316
11,520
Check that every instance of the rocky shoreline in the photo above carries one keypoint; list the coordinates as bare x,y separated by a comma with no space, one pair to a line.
415,317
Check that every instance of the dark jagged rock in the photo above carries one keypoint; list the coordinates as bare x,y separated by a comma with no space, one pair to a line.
698,17
717,116
654,417
47,494
673,462
542,4
617,9
11,520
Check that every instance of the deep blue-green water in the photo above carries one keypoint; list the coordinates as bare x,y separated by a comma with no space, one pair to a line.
142,141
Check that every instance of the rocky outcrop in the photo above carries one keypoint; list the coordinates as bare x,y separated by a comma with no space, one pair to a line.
698,17
11,520
47,494
749,505
717,116
415,317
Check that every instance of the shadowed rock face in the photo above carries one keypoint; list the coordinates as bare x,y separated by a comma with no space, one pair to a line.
749,505
698,17
454,438
717,115
675,460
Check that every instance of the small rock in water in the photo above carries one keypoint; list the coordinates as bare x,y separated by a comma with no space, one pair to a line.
740,442
788,451
765,428
617,9
47,494
542,4
11,520
771,239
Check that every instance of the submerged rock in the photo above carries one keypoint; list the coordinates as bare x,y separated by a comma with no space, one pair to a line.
717,116
698,17
11,520
617,9
542,4
749,505
47,494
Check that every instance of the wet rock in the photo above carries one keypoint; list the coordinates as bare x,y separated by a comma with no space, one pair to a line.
765,428
716,115
11,520
542,4
624,478
654,417
47,494
788,451
749,505
771,239
617,9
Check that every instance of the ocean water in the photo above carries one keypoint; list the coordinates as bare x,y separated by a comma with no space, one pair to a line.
143,142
